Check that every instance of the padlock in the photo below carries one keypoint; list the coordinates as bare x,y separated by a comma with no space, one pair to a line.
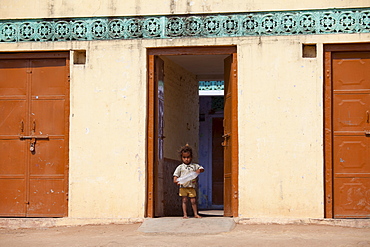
32,144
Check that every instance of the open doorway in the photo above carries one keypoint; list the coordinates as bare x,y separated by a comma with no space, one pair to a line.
174,119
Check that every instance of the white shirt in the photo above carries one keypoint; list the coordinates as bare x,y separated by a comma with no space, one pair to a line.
183,169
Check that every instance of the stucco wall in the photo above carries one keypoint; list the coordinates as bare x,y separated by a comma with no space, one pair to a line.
181,109
281,155
107,133
83,8
280,125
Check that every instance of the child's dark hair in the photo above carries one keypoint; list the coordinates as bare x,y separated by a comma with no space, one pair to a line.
186,149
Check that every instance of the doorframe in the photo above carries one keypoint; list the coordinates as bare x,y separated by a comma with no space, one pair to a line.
151,146
328,119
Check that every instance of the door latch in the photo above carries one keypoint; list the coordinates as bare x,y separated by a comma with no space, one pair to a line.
32,144
225,136
33,140
367,130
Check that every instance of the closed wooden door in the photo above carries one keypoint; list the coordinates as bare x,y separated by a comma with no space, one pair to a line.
34,99
230,136
350,72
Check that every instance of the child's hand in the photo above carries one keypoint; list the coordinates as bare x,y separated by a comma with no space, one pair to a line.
199,171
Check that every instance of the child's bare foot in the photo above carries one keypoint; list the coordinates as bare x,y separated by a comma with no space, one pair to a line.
185,217
197,216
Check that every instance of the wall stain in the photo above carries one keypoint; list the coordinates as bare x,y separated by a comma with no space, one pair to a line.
281,190
172,6
51,8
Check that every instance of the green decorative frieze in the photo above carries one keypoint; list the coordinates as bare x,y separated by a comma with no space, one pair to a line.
211,85
328,21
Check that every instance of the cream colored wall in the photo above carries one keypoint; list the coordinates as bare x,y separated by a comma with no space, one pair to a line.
181,109
281,161
281,153
107,133
85,8
107,149
280,114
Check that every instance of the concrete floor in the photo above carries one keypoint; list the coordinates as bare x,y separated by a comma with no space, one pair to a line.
242,235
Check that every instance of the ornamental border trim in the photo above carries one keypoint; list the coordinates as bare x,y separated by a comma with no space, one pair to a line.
211,85
305,22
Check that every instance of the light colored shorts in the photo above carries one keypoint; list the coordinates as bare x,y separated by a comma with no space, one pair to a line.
190,192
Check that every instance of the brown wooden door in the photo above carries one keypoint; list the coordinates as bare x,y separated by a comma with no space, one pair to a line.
152,133
230,142
350,73
34,99
351,103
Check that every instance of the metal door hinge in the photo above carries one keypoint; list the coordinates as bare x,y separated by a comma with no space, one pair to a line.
328,200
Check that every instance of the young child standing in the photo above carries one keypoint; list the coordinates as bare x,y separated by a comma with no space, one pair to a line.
187,190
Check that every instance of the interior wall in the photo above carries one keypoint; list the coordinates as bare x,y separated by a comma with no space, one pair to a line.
181,110
180,127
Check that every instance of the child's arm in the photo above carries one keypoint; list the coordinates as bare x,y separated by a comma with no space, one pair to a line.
200,170
175,179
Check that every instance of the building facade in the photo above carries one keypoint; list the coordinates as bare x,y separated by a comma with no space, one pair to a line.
96,98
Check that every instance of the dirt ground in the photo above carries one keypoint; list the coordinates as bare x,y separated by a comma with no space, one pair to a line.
242,235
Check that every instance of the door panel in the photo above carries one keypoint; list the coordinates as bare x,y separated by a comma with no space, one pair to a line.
34,109
350,113
13,116
48,117
13,121
352,197
357,63
227,140
230,136
351,144
47,198
13,196
351,156
14,71
151,136
12,178
12,152
48,159
48,77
